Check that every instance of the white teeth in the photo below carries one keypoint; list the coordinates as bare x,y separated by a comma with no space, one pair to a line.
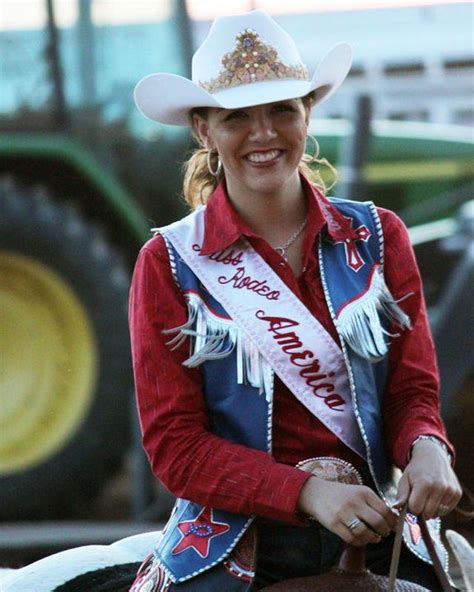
263,156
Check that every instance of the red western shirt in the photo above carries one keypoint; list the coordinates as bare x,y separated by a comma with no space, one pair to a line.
197,465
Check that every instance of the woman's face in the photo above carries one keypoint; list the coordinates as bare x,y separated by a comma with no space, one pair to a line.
260,147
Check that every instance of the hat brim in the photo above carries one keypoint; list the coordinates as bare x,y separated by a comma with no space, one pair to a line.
169,98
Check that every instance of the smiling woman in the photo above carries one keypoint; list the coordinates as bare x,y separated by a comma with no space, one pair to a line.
203,170
270,326
319,363
260,147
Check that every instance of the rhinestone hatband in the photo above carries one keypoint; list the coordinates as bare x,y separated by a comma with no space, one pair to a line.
252,61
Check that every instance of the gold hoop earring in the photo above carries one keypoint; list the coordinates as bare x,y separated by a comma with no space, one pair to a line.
218,170
309,158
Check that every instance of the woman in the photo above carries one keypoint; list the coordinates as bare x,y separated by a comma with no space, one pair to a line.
259,331
266,331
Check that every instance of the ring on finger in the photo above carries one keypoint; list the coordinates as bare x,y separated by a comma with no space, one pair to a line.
353,524
443,510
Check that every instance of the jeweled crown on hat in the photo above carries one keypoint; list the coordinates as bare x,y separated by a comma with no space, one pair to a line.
234,54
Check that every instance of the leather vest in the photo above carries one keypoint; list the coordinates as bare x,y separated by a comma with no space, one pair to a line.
196,538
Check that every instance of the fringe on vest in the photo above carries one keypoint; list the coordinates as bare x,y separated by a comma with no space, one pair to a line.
360,321
213,337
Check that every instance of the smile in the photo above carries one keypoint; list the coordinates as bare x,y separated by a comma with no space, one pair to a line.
263,156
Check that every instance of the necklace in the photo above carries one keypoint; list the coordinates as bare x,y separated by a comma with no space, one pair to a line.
283,248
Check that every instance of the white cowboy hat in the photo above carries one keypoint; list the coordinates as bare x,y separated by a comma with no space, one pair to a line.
245,60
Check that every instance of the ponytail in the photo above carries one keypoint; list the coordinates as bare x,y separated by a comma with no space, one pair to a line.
198,183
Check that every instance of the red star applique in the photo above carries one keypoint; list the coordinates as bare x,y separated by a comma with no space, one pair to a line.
197,534
415,530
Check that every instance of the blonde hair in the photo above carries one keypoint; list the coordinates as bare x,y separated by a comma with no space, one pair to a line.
199,183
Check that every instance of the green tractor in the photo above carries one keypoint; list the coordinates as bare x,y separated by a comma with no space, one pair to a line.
68,234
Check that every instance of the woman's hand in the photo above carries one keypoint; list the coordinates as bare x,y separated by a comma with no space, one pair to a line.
428,483
336,505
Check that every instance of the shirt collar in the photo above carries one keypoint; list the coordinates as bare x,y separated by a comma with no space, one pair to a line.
224,226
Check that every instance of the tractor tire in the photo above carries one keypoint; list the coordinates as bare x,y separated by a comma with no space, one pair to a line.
66,375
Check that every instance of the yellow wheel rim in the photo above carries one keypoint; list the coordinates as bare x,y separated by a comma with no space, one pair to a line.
48,363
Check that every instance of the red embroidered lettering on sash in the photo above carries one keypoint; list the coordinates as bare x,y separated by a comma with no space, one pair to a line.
239,281
311,371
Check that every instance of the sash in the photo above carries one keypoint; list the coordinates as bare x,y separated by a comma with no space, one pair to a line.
289,338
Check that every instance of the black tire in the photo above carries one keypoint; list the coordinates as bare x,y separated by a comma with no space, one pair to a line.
56,237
